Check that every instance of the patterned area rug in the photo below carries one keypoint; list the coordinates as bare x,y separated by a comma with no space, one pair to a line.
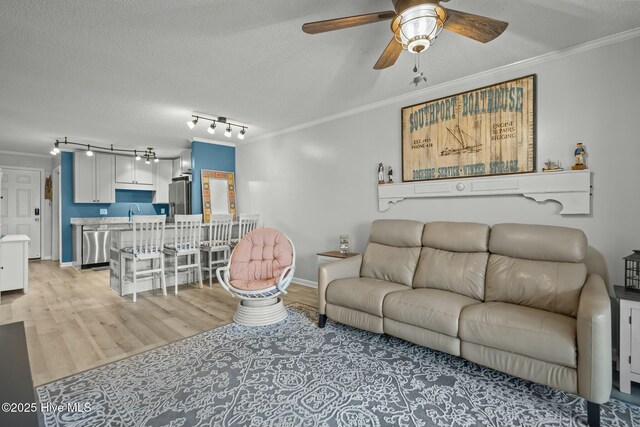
295,374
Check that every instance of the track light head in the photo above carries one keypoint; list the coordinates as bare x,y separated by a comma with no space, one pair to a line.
241,134
56,149
155,159
89,152
137,155
192,123
212,128
147,160
227,132
53,153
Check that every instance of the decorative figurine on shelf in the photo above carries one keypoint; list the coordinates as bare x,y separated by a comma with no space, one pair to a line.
552,166
344,244
380,173
390,173
579,152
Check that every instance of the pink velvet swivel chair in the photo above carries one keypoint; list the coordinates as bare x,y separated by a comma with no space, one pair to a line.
261,268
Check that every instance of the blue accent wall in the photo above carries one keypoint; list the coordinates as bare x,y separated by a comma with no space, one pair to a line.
212,157
124,198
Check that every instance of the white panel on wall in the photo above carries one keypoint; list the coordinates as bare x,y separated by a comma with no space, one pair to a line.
318,182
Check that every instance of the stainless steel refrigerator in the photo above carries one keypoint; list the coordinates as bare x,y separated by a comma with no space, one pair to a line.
179,197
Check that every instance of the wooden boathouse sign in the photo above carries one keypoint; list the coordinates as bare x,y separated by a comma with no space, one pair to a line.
486,131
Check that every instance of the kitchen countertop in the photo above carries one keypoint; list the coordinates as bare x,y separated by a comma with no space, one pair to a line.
115,223
100,220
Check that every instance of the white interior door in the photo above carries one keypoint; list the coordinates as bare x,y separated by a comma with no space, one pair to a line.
21,190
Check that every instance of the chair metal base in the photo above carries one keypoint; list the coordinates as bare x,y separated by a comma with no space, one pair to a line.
260,312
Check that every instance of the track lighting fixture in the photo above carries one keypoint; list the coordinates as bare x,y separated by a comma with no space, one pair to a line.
148,153
212,127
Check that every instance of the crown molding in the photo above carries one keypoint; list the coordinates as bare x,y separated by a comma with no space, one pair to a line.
515,66
17,153
213,141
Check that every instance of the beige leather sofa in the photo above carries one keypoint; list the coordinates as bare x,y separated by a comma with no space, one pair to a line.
516,298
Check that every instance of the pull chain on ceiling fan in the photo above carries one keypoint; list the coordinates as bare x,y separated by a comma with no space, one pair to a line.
415,25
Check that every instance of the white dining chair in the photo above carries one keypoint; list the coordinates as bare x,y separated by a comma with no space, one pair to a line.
148,241
186,243
218,243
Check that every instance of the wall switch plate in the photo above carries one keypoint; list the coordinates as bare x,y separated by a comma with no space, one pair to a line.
161,210
103,211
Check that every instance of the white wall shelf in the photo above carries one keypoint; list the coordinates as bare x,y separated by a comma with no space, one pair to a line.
572,189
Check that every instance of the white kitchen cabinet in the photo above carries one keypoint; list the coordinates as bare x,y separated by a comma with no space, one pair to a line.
124,169
176,167
185,162
93,178
164,173
144,172
14,262
131,171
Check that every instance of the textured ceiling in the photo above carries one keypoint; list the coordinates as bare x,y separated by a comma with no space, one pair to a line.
131,73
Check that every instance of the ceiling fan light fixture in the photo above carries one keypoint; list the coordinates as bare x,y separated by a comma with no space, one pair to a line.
417,27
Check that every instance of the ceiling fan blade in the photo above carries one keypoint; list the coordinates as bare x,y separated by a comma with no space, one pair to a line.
475,27
389,56
346,22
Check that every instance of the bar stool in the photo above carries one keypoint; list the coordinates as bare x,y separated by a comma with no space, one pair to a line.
219,243
246,224
148,240
186,243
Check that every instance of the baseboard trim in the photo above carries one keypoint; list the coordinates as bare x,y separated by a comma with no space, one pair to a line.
305,282
66,264
45,258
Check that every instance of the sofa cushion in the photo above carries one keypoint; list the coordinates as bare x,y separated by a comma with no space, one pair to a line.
401,233
460,272
539,334
538,242
361,293
390,263
552,286
431,309
456,236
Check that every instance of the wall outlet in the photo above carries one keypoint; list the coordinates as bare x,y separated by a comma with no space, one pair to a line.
161,210
103,212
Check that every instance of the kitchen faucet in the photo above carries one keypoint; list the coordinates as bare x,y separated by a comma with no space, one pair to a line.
131,210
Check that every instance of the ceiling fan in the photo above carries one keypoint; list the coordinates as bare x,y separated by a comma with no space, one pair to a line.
415,25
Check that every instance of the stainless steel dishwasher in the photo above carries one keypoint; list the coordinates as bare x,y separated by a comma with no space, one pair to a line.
95,245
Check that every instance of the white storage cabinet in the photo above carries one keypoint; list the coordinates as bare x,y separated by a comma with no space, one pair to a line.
93,178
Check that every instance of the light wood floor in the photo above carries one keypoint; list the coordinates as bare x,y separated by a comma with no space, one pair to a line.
75,322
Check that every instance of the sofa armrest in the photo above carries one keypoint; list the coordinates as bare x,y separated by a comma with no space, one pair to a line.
594,341
327,273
